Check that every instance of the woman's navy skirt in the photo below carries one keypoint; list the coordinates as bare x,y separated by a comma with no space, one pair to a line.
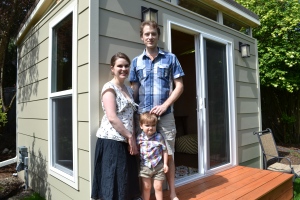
116,172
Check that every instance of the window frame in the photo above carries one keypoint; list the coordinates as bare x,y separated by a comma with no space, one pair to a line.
67,178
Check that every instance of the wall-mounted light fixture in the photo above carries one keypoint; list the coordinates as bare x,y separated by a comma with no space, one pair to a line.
244,49
149,14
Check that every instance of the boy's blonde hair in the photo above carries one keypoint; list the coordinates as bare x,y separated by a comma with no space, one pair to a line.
148,118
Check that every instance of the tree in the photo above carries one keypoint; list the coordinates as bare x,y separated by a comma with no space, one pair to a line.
278,39
278,42
13,13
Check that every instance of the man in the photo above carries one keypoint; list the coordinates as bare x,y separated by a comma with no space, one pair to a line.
152,75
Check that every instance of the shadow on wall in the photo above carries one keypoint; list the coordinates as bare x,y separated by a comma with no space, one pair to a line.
28,62
38,172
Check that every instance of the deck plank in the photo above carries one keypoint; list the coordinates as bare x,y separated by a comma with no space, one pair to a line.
218,184
235,170
277,186
238,182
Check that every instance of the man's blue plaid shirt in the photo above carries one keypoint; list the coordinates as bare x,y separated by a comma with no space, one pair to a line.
155,78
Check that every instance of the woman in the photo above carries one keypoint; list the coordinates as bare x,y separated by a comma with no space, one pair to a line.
116,175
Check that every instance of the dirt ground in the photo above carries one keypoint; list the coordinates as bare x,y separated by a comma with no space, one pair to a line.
12,188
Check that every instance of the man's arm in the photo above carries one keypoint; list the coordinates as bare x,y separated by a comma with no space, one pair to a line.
135,88
160,109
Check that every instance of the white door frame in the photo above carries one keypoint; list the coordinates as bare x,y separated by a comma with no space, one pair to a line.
201,34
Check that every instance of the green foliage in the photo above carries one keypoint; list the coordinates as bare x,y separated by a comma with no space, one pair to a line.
3,116
10,63
297,189
278,41
34,196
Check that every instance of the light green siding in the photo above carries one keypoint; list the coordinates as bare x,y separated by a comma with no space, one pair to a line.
32,105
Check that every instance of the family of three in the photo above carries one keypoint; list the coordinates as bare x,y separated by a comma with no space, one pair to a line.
156,83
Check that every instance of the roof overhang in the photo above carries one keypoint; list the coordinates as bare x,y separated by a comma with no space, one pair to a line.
34,17
235,10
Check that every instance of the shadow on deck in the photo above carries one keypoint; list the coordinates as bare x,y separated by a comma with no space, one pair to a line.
238,183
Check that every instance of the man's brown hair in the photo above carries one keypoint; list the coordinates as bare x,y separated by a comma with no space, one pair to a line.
152,24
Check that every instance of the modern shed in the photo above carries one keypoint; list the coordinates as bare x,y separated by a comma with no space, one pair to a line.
64,51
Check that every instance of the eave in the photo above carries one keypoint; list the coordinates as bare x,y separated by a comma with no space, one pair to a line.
34,17
236,11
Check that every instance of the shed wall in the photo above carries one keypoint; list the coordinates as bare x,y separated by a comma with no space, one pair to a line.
119,32
119,22
32,105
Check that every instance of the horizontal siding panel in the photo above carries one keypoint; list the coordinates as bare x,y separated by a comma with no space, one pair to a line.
246,105
244,74
109,47
36,37
247,121
130,8
34,109
248,152
57,193
82,5
246,90
114,25
83,191
55,189
36,146
83,130
83,107
104,76
38,169
36,55
246,137
33,74
83,53
83,79
84,168
83,24
33,92
33,127
255,163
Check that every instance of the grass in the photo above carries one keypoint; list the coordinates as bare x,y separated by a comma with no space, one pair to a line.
34,196
297,189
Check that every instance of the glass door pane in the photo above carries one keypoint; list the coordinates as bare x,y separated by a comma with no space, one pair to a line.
216,104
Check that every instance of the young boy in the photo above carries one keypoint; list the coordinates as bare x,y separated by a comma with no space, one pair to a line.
153,156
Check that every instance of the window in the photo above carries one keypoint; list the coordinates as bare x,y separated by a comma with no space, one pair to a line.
199,8
62,97
235,24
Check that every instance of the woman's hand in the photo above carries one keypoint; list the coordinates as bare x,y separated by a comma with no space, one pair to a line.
132,145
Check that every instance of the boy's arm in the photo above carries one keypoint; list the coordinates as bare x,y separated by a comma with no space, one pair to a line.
165,156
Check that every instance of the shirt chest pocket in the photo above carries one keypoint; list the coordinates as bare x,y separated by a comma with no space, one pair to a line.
162,71
141,72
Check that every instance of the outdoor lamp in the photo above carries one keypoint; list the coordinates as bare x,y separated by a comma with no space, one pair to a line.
149,14
244,49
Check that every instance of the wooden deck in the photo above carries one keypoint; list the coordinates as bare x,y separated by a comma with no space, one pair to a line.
238,183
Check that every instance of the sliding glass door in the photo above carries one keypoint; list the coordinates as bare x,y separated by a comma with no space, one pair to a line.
205,113
217,115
